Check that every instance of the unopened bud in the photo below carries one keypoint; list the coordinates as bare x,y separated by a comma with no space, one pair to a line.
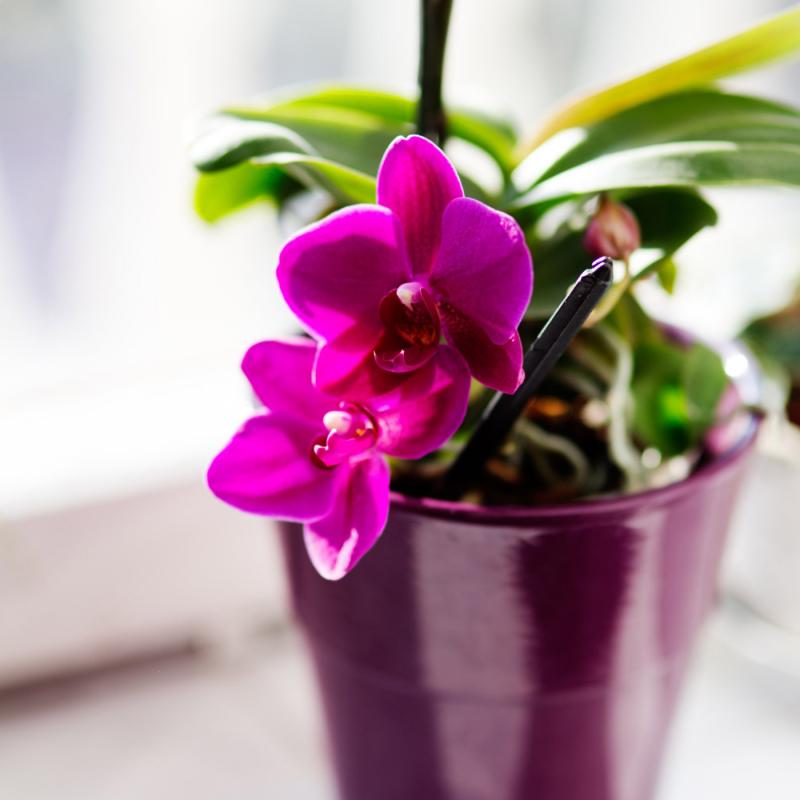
613,231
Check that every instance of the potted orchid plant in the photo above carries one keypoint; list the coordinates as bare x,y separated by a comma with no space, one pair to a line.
516,625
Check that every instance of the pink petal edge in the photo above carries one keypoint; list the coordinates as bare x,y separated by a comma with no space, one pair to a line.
498,366
280,372
335,273
484,268
338,541
422,413
266,469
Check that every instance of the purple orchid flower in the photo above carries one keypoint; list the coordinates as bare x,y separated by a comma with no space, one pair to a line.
383,283
313,459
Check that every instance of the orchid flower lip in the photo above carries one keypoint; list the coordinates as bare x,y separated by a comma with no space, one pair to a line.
412,328
410,312
351,432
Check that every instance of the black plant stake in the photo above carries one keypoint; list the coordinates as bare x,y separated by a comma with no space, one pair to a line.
430,113
504,409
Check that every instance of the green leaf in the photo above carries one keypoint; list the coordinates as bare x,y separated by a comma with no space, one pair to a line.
668,218
558,260
332,138
276,177
342,183
381,114
225,143
495,136
767,41
676,393
777,336
217,194
704,381
667,274
634,323
688,164
256,153
384,105
349,137
697,115
341,140
661,414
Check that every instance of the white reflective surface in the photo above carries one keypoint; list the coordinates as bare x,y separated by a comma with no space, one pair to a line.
245,725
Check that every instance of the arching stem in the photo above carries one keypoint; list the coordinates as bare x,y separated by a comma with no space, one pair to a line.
431,121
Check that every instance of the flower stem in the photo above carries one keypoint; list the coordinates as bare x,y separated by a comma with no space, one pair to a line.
504,409
431,121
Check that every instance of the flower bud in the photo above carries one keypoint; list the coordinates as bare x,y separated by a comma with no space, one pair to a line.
613,231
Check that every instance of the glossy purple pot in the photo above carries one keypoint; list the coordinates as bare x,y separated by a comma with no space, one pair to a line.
515,654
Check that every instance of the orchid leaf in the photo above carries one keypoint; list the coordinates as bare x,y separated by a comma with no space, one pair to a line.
704,381
767,41
224,143
275,177
350,137
676,393
558,261
217,194
686,164
697,115
494,137
667,274
777,337
660,416
668,218
331,138
241,161
634,323
363,118
342,183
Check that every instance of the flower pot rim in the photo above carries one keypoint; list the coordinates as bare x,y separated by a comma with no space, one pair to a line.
614,504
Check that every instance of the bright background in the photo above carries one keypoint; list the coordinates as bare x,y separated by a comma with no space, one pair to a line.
122,320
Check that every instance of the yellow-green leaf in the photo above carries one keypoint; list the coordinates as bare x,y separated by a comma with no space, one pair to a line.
770,40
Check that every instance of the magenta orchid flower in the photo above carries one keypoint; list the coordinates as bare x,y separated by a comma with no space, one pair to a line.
384,283
313,459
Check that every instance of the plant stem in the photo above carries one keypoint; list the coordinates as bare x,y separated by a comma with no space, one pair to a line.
431,121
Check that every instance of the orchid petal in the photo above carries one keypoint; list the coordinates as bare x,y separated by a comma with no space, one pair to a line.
484,268
338,541
423,412
345,367
280,374
417,181
341,363
498,366
394,356
335,273
266,469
